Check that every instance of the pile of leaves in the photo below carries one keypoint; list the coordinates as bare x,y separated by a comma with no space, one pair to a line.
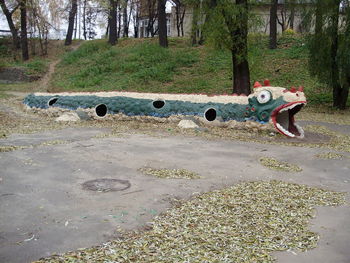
274,164
170,173
243,223
330,155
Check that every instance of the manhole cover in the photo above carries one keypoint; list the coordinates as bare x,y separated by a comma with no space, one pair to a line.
106,185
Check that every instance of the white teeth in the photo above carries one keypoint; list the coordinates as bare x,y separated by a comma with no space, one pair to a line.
290,107
279,126
301,131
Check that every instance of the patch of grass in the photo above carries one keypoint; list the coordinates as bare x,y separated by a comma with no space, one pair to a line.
37,66
141,65
243,223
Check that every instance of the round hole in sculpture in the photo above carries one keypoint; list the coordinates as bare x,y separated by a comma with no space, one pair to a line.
210,114
158,104
52,101
101,110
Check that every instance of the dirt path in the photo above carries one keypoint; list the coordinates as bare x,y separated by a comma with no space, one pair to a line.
45,80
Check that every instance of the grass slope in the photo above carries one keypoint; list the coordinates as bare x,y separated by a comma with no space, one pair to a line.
141,65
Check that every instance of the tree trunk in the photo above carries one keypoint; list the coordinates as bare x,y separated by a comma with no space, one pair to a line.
240,66
125,20
292,14
84,19
319,18
196,10
241,75
107,29
76,24
273,24
177,12
24,40
71,19
337,89
14,31
119,21
112,22
162,27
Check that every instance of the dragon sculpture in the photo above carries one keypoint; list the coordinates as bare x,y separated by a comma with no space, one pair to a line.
266,104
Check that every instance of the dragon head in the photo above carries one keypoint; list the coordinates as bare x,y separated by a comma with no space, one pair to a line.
278,105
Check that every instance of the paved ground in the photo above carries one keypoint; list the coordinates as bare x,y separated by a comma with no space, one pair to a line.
44,208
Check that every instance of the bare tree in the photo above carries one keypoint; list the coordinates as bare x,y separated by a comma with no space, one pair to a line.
125,19
135,13
162,27
8,14
112,22
180,11
24,39
72,14
287,15
152,16
273,24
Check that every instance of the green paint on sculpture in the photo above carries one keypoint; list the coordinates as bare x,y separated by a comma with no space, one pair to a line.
266,104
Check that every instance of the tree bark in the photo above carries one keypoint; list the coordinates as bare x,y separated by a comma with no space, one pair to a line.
273,24
112,22
71,19
24,40
125,20
337,89
292,14
241,75
318,18
240,66
84,19
119,14
14,31
162,27
196,10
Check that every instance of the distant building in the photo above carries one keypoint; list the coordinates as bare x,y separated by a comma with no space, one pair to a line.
58,34
261,11
148,11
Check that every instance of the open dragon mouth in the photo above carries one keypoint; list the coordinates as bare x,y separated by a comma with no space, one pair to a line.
283,119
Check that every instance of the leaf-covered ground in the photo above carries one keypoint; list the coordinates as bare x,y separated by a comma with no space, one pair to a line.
243,223
274,164
170,173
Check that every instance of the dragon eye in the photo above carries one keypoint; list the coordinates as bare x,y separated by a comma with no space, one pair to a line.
264,96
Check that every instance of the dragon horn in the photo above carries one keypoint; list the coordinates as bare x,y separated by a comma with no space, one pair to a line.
267,82
257,84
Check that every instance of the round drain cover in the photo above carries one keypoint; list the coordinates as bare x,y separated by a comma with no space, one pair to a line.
106,185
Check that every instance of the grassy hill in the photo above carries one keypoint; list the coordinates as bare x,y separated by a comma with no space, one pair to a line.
141,65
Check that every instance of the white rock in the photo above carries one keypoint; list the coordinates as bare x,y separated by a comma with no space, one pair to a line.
68,116
187,124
